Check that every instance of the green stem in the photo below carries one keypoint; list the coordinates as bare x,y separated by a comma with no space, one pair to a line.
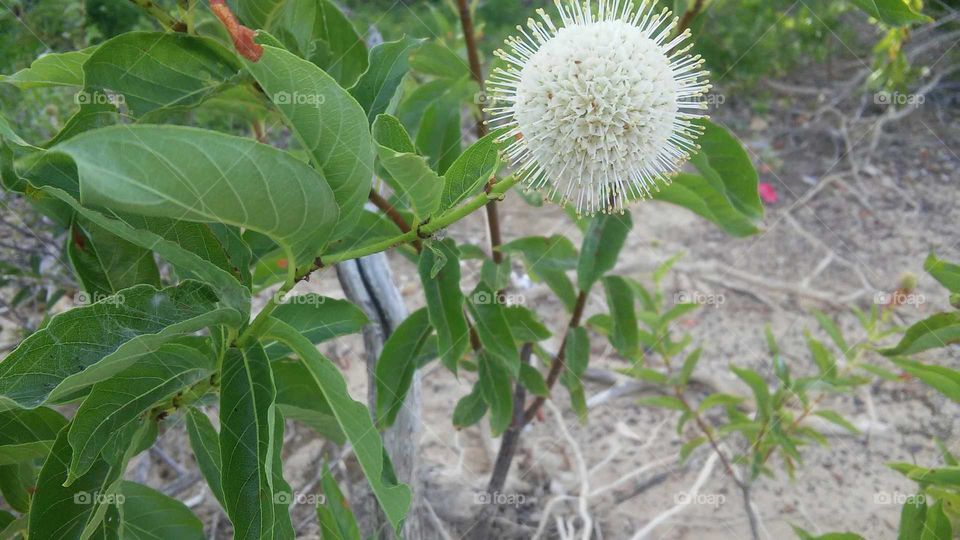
253,331
165,19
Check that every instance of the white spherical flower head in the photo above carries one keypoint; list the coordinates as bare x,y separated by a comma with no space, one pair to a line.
600,109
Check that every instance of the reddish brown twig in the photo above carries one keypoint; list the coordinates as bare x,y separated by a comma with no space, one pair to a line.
241,35
689,15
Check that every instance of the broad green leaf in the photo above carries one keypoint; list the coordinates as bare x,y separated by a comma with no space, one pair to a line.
76,511
761,392
329,124
624,337
318,32
28,434
697,194
205,443
123,399
945,380
471,171
494,382
259,13
409,174
147,514
439,133
493,328
497,275
370,227
231,292
317,318
892,12
355,422
948,274
601,247
106,263
937,525
17,483
938,331
334,515
912,517
723,161
437,59
397,364
445,302
248,445
413,107
576,359
525,325
299,398
533,381
88,344
208,177
54,69
150,71
470,409
548,259
88,116
378,86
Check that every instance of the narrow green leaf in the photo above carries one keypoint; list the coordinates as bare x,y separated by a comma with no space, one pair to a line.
945,380
147,514
837,419
492,327
438,136
948,274
299,398
397,364
471,171
689,365
761,392
409,174
533,380
601,247
495,388
437,59
205,443
822,356
835,334
721,399
151,71
937,525
912,517
625,337
938,331
525,325
355,422
121,400
666,402
317,318
689,446
378,86
724,162
697,194
329,124
445,302
892,12
576,359
54,69
470,409
334,515
26,435
248,445
198,175
88,344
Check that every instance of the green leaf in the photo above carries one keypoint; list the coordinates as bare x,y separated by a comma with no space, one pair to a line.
892,12
397,364
470,409
317,318
761,392
299,398
601,247
151,71
496,275
317,31
205,443
697,194
824,359
525,325
409,174
533,381
435,58
666,402
804,535
248,445
948,274
725,400
835,418
439,134
334,515
723,161
912,517
494,382
549,259
835,334
492,327
54,69
938,331
88,344
116,403
355,422
689,365
689,446
937,525
576,359
147,514
106,263
378,86
26,435
16,484
945,380
327,122
445,302
625,337
76,511
471,171
197,175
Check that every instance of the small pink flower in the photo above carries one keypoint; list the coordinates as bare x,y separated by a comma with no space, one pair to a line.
768,193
